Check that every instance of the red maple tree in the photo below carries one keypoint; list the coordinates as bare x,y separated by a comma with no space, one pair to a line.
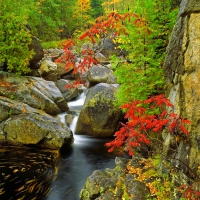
145,116
104,26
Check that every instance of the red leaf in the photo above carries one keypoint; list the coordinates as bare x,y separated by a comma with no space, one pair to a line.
134,144
196,193
183,129
84,35
185,121
111,149
172,126
163,114
59,60
136,21
108,144
135,15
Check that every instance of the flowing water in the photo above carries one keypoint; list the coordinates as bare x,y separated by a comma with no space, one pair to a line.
28,174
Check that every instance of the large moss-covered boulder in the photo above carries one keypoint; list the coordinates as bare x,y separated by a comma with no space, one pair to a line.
36,129
99,117
182,72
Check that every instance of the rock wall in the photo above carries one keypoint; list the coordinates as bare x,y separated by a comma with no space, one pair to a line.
182,71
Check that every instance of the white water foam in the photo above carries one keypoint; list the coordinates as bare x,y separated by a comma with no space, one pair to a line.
74,106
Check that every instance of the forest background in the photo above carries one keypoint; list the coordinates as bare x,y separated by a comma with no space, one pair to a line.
142,28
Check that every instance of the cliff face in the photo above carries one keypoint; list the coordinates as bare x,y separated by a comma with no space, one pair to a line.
182,71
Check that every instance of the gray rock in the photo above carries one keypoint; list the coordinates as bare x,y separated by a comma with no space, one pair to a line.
108,47
101,58
39,53
189,6
35,92
48,70
4,112
113,184
69,93
181,68
53,54
36,129
100,74
99,117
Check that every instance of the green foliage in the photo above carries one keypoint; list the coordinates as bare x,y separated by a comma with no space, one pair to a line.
52,44
15,39
49,19
97,8
140,74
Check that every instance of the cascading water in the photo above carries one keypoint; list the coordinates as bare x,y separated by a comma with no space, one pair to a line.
81,159
28,174
75,107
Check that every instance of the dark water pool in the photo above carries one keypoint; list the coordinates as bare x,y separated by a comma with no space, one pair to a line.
30,174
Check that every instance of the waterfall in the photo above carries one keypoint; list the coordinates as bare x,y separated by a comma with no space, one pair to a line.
75,107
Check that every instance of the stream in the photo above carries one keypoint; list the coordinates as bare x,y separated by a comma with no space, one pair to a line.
38,174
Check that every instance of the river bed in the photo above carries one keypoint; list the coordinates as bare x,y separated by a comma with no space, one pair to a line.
27,173
37,174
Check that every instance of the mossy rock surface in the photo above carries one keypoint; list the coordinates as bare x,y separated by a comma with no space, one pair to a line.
99,117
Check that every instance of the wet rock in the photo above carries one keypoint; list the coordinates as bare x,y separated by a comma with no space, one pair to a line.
114,184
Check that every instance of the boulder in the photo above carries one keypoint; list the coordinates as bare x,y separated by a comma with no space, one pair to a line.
113,184
21,124
183,78
99,117
10,107
100,74
62,69
109,47
35,129
35,92
101,58
48,70
53,54
39,53
4,112
69,93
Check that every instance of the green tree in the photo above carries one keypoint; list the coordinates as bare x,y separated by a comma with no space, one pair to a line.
140,73
14,36
97,9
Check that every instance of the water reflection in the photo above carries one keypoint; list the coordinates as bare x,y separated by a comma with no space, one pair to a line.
29,173
26,173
